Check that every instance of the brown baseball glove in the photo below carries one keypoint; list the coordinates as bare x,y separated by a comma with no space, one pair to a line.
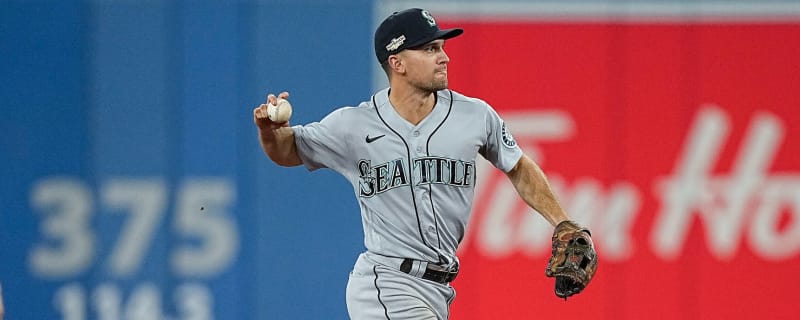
574,260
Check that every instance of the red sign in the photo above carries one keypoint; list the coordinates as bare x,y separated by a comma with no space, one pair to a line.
676,143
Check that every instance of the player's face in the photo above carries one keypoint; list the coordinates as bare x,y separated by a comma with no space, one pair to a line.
426,66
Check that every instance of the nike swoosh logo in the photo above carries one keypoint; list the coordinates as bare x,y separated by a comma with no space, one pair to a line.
370,140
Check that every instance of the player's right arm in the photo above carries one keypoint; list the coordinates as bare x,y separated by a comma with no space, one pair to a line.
277,139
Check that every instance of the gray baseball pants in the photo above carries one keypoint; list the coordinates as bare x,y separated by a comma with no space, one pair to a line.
377,289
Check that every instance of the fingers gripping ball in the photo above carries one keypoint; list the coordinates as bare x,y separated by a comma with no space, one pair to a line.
574,260
280,112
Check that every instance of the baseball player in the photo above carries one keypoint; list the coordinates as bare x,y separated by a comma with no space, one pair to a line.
409,152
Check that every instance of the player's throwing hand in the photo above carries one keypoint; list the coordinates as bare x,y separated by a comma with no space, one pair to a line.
261,115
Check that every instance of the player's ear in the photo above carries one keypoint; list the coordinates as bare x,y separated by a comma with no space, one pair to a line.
396,64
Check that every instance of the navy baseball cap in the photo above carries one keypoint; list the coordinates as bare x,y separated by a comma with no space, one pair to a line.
408,29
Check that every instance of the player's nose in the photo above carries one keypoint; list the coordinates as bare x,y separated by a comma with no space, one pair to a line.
443,58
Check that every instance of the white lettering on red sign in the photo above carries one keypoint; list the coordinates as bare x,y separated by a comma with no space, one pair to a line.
749,200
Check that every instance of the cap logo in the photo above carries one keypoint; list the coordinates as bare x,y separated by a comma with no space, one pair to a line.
427,15
396,43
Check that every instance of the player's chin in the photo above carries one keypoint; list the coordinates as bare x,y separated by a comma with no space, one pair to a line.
439,84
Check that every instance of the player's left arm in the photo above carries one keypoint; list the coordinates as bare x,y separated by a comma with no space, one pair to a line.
574,261
531,183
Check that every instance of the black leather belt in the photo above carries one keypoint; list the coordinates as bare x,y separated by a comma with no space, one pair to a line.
440,276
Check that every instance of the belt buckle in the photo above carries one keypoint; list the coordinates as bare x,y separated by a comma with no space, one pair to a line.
448,263
450,270
451,274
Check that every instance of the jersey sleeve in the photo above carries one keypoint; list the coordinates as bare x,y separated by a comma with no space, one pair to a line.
500,148
323,144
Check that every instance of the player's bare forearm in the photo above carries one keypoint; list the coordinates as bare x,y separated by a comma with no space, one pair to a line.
279,146
277,139
531,184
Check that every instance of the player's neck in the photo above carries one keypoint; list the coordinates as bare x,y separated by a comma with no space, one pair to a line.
411,103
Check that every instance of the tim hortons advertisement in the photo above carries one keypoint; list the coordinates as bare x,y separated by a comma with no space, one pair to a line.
675,143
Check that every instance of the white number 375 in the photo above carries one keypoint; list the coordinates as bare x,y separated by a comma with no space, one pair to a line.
69,243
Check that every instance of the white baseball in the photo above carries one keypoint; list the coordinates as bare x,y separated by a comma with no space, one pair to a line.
280,112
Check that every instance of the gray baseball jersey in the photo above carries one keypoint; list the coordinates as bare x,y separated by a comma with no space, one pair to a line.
415,183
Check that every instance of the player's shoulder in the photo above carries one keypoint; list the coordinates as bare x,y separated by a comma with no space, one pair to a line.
460,100
363,110
351,111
